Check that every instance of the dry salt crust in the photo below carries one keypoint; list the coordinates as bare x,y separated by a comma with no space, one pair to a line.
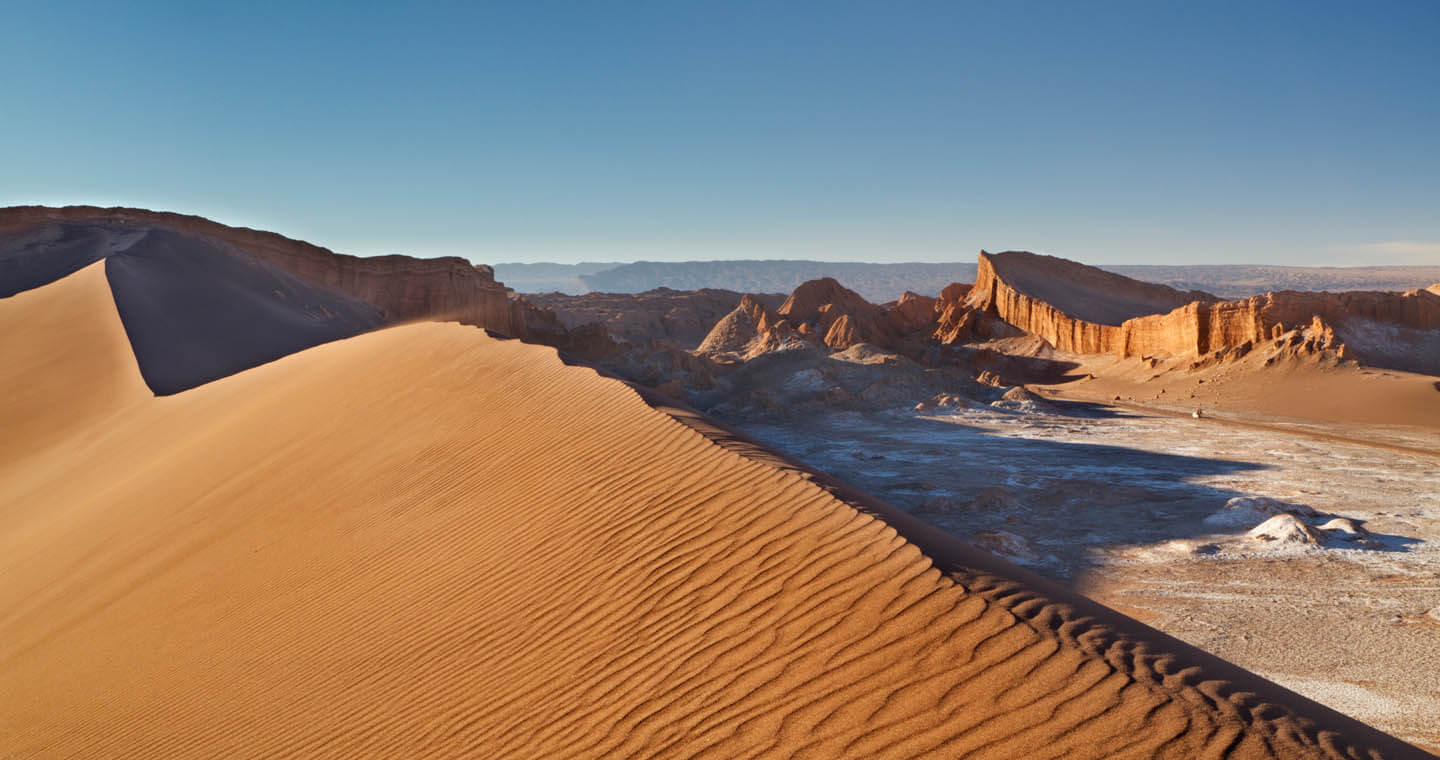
1114,502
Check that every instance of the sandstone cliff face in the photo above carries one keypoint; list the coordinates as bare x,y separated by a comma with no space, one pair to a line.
404,288
1201,328
1008,285
1074,307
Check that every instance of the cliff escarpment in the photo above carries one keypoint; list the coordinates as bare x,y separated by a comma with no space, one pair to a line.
1074,307
403,288
1085,310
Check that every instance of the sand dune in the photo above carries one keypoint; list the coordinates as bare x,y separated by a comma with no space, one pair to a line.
424,541
194,309
67,364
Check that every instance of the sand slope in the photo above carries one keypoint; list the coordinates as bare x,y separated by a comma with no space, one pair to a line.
426,542
66,363
195,309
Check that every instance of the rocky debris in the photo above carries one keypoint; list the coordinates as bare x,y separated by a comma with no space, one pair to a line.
1243,511
1021,399
1020,393
589,342
1286,529
1280,522
1344,529
986,377
943,401
958,321
1007,545
1434,613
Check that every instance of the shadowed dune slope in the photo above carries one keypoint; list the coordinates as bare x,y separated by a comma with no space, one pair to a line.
194,310
416,543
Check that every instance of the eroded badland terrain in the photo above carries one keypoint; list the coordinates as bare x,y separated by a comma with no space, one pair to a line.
258,498
1259,477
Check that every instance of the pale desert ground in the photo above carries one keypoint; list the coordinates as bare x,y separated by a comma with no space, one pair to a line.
1126,502
425,541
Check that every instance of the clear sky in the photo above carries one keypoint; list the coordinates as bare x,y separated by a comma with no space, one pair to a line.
1109,132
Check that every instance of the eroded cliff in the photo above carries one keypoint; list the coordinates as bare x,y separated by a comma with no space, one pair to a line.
404,288
1085,310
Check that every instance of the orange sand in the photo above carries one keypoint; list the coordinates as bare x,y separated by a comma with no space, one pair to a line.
426,542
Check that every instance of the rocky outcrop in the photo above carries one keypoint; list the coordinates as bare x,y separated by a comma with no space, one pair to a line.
404,288
806,302
912,313
819,312
1074,307
1085,310
682,318
735,331
1201,328
837,316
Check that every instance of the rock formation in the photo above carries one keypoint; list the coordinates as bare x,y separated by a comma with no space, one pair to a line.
1086,310
404,288
912,313
819,312
735,331
681,318
1076,308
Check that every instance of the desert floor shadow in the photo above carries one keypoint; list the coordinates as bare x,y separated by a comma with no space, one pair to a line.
1066,498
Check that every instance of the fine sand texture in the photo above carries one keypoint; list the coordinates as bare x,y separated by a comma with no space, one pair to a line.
427,542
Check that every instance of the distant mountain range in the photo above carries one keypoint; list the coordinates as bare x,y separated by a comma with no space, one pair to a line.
879,283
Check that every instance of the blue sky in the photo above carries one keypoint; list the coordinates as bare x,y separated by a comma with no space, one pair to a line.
1109,132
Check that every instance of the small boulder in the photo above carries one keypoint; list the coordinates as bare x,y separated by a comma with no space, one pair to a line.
1344,529
1249,510
1286,529
1019,393
986,377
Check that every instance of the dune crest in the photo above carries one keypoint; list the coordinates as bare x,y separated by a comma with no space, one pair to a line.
49,241
66,363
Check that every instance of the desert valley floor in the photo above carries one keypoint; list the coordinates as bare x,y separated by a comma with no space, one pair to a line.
1129,507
